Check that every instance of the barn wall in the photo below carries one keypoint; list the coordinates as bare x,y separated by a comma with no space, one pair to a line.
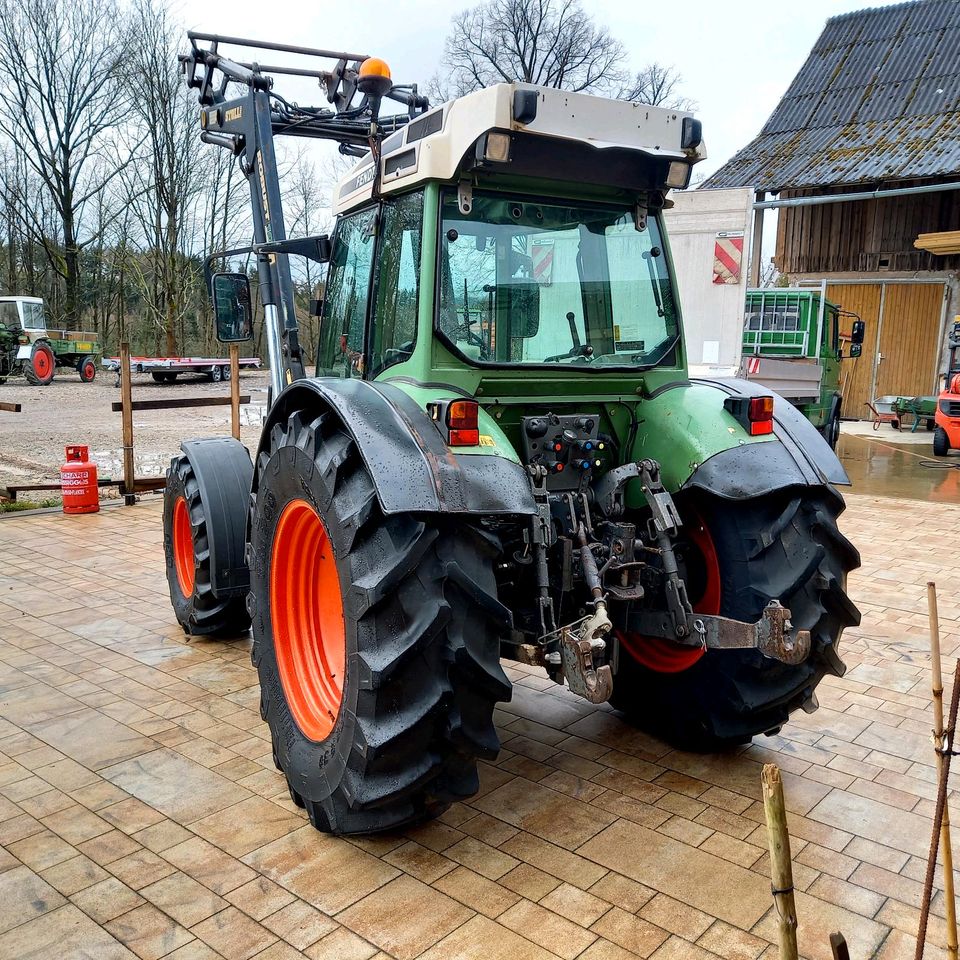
864,235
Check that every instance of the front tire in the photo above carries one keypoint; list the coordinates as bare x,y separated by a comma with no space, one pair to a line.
404,605
784,546
941,442
187,553
216,374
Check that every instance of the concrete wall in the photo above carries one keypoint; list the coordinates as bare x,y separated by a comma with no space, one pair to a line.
712,313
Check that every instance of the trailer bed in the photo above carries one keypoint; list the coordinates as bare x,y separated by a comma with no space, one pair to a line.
167,369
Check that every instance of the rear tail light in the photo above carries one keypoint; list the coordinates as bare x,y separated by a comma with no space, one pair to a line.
754,413
458,421
463,423
760,415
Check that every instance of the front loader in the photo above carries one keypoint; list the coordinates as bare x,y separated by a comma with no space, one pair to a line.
500,455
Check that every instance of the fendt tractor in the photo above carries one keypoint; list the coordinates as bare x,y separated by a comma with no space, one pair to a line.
500,454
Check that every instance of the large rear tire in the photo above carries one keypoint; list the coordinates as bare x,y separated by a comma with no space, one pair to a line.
784,546
41,366
376,637
187,553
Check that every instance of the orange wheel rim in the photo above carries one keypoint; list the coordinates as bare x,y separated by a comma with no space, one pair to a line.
41,363
183,547
306,614
661,655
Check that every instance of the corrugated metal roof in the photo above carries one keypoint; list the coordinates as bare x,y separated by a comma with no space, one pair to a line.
878,98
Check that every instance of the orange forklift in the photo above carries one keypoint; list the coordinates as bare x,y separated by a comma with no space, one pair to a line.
946,437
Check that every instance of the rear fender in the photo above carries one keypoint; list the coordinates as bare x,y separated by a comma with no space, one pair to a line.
797,456
224,471
699,444
410,464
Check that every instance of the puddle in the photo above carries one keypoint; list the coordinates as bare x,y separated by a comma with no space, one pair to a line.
879,467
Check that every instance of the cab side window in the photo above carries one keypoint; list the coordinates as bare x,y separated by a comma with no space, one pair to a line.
341,352
396,287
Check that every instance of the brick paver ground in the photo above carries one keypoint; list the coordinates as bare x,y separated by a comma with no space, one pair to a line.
140,813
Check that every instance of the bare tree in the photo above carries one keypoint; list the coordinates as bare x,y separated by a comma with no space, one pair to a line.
659,86
553,43
165,181
58,107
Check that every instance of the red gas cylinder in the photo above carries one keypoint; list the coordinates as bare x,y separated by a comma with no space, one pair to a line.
78,481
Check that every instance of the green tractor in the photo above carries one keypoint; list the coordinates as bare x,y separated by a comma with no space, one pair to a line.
29,346
500,456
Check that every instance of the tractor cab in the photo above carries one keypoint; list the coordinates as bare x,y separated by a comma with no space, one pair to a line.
502,238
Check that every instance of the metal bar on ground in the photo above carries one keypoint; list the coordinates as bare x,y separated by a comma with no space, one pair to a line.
235,390
126,407
10,407
781,867
946,848
174,403
838,946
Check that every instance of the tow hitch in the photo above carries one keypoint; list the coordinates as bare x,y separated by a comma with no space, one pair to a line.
773,634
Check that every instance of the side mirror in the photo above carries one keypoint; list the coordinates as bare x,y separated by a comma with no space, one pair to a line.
231,307
857,334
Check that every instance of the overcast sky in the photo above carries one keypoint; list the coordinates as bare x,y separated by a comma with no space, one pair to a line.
736,58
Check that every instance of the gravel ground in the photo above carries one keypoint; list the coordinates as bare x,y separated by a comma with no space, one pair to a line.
68,412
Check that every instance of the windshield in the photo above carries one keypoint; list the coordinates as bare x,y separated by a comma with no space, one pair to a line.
553,283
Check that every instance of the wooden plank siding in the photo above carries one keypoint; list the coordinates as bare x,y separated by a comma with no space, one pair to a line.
864,235
908,340
856,375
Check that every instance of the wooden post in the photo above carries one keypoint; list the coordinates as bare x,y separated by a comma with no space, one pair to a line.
126,396
946,848
235,390
756,245
781,867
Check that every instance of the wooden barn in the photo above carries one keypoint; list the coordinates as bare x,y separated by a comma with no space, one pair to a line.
863,155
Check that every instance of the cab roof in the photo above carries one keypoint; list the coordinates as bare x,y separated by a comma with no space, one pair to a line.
435,145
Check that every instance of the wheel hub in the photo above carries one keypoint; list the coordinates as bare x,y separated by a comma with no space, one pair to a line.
306,614
183,546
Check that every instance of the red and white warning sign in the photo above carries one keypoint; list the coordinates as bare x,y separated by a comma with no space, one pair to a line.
727,257
541,253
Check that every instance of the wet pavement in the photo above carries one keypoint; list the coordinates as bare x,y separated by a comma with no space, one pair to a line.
886,463
141,814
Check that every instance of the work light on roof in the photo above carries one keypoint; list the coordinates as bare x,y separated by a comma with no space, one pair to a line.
373,77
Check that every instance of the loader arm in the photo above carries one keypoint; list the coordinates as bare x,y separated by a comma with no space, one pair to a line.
247,124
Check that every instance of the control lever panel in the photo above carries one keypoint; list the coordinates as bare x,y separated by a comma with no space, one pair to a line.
568,446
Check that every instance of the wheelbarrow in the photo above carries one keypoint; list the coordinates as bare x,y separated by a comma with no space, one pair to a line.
884,410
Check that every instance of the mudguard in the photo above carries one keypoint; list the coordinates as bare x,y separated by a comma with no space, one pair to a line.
798,456
410,464
225,473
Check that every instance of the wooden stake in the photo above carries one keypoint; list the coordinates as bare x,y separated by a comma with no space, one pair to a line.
946,848
235,390
781,867
126,397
